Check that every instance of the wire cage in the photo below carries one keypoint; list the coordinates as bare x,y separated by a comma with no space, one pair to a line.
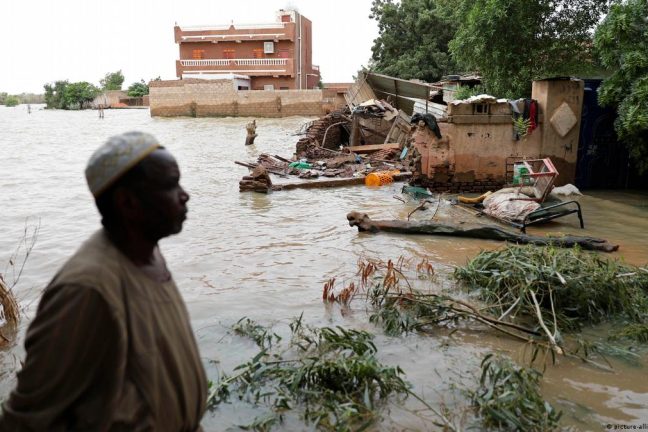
539,174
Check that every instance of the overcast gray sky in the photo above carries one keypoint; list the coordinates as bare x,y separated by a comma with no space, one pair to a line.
81,40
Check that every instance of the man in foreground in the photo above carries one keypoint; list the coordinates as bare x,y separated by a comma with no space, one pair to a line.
111,348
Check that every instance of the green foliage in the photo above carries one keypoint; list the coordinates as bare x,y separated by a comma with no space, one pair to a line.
512,42
54,95
65,95
636,332
399,312
78,95
138,89
413,39
330,374
11,101
3,96
262,336
621,41
509,398
569,285
112,81
464,92
521,126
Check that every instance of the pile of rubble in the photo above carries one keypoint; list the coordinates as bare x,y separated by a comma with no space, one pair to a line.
318,162
257,181
326,132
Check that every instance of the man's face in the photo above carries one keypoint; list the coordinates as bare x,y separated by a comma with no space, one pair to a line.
163,202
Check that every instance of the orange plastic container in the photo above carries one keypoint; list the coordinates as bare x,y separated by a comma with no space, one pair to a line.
380,178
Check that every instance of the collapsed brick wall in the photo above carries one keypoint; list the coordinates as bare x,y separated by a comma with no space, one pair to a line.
216,98
317,130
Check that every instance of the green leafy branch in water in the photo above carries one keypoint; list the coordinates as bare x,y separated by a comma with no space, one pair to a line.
529,293
508,398
330,374
261,335
568,287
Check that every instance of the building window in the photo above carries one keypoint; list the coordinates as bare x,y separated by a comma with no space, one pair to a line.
198,54
481,109
229,54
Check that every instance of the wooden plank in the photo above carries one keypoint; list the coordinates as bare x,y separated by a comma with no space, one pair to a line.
373,147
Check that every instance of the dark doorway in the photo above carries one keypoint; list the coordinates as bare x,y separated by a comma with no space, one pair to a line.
603,162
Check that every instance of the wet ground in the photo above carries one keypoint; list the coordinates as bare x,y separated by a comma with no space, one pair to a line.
268,256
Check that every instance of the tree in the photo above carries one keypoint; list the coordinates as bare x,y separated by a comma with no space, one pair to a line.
512,42
112,81
79,94
138,89
622,44
11,101
413,39
3,96
54,94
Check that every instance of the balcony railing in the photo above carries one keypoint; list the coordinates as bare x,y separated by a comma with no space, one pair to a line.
248,66
213,62
236,62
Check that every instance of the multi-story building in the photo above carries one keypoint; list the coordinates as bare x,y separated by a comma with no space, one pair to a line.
275,56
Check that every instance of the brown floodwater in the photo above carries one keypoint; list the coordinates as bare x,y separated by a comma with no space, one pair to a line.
267,257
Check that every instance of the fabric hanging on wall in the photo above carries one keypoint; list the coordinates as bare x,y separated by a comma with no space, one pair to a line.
429,120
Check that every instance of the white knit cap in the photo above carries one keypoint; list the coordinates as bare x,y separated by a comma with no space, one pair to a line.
118,155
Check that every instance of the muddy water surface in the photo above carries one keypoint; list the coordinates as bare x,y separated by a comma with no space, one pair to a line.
267,256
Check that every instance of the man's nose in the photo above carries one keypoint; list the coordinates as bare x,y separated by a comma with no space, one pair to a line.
184,196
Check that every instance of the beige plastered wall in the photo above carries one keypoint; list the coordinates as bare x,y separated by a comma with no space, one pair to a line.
215,98
476,147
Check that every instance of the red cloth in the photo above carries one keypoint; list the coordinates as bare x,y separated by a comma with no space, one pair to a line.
533,115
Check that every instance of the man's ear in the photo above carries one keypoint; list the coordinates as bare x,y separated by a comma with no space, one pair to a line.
127,203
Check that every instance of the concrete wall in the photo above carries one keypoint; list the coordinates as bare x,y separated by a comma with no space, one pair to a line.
213,98
482,142
561,101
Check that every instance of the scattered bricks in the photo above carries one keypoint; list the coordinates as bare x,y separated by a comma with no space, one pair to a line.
257,181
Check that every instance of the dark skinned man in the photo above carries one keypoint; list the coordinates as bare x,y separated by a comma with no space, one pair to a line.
111,347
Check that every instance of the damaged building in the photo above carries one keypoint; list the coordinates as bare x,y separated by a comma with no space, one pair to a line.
465,145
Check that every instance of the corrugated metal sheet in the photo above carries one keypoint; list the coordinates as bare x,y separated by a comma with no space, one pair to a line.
402,92
439,111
